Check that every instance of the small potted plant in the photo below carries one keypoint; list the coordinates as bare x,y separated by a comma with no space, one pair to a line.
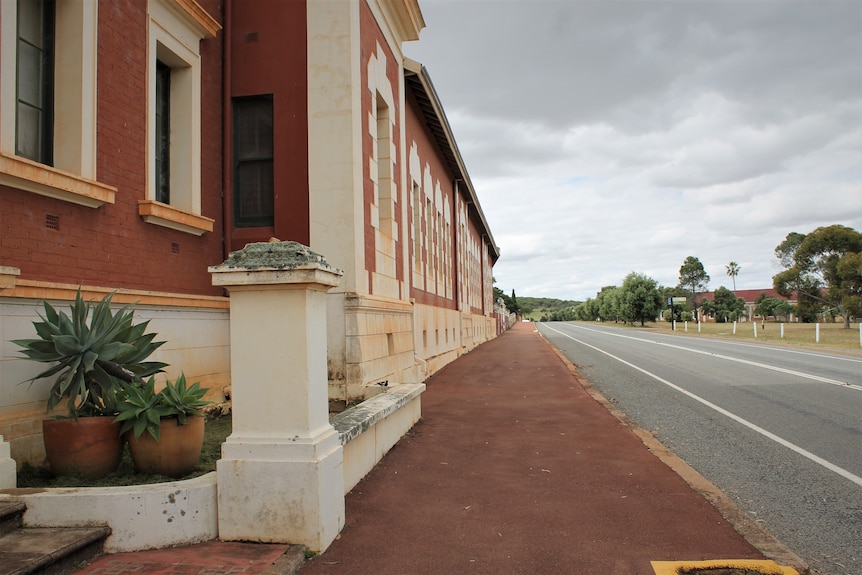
94,350
165,430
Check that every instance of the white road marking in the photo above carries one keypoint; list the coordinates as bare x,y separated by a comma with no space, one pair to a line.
801,374
792,446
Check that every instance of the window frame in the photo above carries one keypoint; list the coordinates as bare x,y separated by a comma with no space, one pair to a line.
163,133
174,34
260,221
44,154
72,178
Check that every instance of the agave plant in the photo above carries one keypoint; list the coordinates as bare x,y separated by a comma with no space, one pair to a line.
94,353
142,409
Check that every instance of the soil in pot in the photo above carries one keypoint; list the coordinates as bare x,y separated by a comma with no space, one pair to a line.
89,446
175,454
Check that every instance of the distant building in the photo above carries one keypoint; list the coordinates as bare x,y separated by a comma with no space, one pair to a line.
750,295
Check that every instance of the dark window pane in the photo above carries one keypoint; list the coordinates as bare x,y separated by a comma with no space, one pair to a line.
253,162
31,18
163,133
255,200
254,129
29,132
30,74
35,80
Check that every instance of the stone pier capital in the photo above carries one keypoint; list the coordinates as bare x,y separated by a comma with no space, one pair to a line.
275,263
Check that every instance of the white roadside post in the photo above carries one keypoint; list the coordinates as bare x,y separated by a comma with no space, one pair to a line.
280,478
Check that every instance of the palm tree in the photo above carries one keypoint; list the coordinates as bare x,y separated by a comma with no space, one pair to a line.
733,271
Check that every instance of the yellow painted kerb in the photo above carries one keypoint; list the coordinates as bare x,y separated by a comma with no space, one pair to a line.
765,567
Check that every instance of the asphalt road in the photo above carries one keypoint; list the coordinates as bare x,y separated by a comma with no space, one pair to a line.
778,430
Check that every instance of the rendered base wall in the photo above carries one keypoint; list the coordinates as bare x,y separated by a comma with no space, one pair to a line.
198,344
140,516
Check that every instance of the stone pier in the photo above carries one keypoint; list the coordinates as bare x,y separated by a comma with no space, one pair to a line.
280,478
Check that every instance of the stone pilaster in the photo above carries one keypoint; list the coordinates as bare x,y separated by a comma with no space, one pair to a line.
8,475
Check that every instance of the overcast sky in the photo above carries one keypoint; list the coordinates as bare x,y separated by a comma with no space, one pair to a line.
605,137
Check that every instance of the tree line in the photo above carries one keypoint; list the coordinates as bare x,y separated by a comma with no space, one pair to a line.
822,271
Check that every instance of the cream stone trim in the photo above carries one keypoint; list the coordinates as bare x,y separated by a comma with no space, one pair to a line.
362,302
7,277
168,216
31,289
174,39
404,17
24,174
207,25
335,151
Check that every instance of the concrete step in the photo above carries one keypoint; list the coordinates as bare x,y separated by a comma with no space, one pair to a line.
44,550
10,516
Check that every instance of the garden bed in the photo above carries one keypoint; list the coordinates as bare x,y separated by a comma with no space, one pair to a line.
215,433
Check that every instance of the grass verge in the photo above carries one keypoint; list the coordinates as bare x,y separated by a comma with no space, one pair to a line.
833,336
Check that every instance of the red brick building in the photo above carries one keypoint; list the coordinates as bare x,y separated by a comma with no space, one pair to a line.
153,137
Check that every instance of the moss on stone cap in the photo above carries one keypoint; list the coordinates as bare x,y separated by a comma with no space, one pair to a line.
274,255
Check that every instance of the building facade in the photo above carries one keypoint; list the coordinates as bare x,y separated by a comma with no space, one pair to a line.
153,137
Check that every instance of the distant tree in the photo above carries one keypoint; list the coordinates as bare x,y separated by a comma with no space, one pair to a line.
785,250
824,266
733,270
772,306
608,303
639,298
567,314
587,311
693,277
507,301
725,306
498,294
515,307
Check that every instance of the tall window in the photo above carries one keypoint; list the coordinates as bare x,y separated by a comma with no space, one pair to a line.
35,81
253,166
382,147
163,133
417,228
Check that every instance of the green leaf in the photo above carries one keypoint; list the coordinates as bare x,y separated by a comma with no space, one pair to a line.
110,351
67,344
45,330
66,325
89,361
147,368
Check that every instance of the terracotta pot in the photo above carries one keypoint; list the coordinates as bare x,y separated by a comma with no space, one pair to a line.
90,446
175,454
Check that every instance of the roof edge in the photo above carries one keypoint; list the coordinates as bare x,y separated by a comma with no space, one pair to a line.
418,70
